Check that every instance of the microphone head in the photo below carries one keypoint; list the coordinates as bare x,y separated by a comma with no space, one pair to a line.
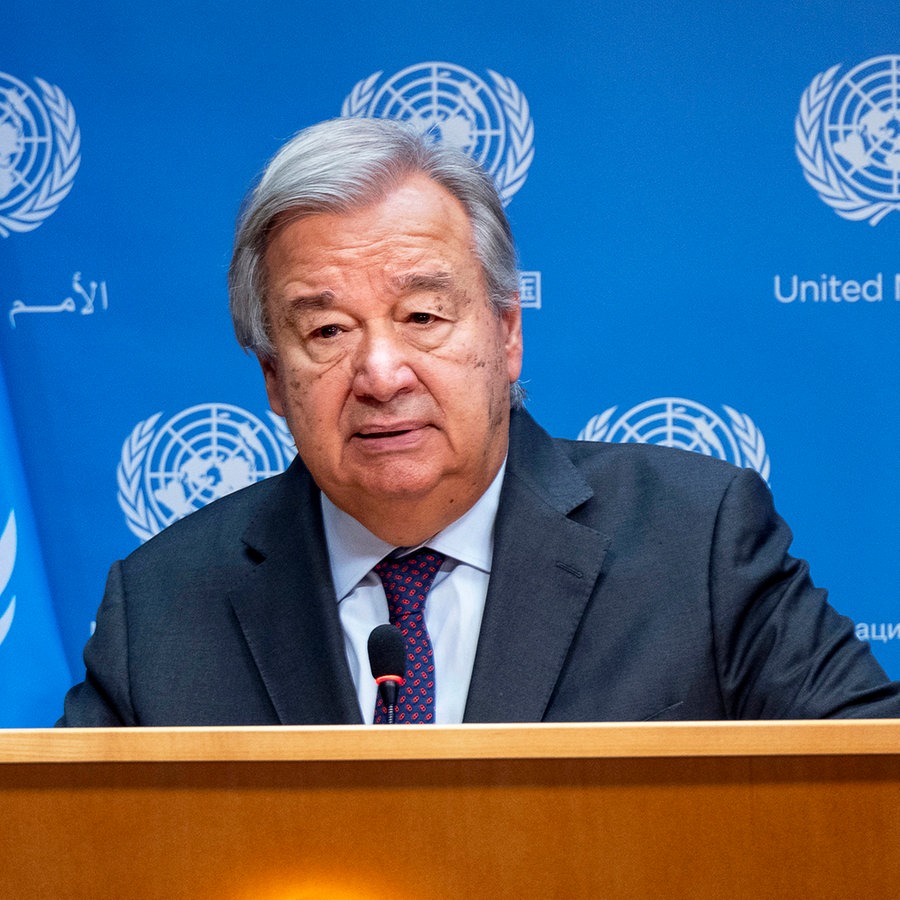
387,652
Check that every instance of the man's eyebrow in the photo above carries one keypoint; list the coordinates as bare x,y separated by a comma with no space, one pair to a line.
322,300
422,281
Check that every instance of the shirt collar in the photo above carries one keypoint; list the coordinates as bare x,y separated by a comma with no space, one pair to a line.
353,550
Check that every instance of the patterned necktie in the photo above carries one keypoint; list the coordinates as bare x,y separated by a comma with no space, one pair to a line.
406,584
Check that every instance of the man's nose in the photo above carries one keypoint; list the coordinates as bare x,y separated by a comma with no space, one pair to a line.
382,367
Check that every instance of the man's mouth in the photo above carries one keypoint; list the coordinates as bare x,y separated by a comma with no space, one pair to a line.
377,435
397,435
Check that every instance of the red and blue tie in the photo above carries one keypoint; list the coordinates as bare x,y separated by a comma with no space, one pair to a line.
406,584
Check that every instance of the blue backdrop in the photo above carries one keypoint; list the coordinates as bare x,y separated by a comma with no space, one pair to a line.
706,198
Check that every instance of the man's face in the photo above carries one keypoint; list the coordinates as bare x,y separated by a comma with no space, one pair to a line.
390,366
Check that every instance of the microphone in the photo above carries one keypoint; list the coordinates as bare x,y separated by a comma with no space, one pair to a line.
387,657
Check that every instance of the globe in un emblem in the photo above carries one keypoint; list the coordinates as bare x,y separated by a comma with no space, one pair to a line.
491,123
197,456
39,153
862,127
450,102
26,140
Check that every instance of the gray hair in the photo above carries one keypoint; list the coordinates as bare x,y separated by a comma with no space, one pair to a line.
340,165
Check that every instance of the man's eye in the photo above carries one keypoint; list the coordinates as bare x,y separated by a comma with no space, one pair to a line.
421,318
327,331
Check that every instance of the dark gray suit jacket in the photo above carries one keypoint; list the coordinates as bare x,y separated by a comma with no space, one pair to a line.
629,582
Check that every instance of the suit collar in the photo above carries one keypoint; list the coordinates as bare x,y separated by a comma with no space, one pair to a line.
537,461
287,609
546,566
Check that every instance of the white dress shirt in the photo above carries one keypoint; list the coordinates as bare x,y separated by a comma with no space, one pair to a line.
453,609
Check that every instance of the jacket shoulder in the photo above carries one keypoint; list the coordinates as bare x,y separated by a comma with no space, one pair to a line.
661,465
228,529
219,519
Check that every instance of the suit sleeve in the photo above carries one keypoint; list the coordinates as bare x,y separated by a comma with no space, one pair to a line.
103,699
781,650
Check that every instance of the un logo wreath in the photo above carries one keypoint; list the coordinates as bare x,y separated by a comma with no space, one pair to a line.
45,194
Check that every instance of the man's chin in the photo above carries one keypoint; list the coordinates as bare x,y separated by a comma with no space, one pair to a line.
398,483
391,480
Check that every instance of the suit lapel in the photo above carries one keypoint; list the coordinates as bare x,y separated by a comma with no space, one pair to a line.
544,570
287,610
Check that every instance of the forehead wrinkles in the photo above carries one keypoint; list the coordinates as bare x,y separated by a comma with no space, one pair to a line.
404,260
407,237
400,263
297,295
410,246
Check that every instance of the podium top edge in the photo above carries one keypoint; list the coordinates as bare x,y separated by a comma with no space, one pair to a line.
423,742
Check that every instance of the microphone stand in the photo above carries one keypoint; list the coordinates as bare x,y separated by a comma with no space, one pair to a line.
387,689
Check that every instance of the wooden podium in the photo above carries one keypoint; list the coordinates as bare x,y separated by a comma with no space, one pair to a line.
755,810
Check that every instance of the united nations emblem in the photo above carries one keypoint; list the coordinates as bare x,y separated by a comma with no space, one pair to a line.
489,122
848,138
8,545
674,422
200,454
39,153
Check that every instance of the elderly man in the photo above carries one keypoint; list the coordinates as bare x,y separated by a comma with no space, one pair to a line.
533,579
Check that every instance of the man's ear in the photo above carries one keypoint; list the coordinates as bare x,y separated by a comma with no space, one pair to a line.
273,385
512,321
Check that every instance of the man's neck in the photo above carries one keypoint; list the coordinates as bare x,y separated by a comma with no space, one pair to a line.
354,549
408,523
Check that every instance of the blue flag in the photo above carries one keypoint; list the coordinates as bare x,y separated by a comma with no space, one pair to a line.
34,674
